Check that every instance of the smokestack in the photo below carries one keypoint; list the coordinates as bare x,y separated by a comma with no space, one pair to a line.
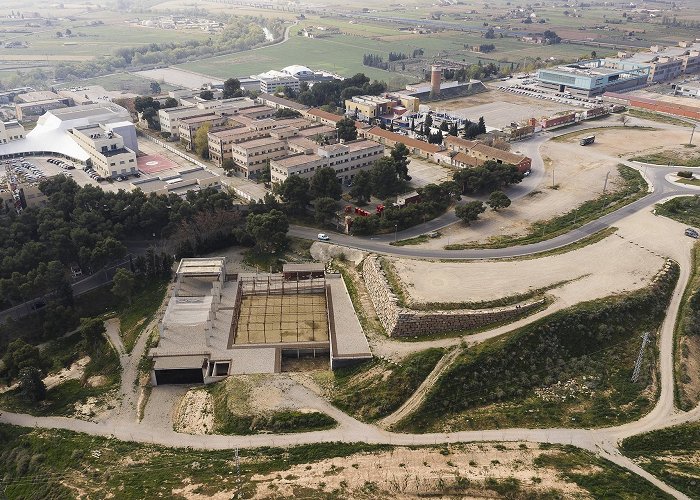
435,80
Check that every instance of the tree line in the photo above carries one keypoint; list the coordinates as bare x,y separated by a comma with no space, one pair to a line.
241,33
333,93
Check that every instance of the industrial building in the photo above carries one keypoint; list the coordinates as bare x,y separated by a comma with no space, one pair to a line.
32,104
179,183
592,78
11,131
218,324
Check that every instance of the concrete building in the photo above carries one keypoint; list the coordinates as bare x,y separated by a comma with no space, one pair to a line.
11,131
188,127
29,110
665,63
179,183
271,84
346,159
277,102
108,155
464,153
170,118
367,107
321,116
691,89
391,139
218,324
594,77
251,157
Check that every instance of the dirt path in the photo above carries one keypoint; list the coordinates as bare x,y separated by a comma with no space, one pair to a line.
417,398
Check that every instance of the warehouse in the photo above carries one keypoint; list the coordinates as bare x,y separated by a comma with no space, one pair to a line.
591,78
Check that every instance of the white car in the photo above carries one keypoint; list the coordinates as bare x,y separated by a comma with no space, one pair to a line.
323,237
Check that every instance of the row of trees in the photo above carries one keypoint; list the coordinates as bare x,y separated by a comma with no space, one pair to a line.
149,107
241,33
333,93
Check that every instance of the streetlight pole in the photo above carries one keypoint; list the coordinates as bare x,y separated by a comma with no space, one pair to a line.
396,229
692,132
552,175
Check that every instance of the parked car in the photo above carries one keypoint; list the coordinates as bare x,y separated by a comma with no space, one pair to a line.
688,232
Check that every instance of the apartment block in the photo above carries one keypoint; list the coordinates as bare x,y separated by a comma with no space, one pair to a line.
189,126
251,157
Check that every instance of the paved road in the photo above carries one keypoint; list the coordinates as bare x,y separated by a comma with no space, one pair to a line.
381,243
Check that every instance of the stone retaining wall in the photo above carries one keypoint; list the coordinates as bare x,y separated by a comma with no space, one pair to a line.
400,321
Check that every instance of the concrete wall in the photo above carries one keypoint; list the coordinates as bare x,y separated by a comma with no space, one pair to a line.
403,322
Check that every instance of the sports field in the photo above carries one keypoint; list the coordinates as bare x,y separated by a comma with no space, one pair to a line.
266,319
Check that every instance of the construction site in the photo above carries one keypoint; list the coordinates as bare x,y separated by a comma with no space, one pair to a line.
217,324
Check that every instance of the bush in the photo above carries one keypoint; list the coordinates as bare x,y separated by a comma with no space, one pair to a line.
686,174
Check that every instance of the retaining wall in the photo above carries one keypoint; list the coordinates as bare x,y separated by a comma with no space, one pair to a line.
401,321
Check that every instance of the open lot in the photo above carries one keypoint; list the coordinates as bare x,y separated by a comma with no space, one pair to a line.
423,172
613,265
501,108
179,77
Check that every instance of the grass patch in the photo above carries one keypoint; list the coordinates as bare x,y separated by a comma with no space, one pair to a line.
144,305
61,399
298,250
376,389
670,454
589,131
39,463
657,117
692,182
684,209
685,380
572,368
226,421
633,188
666,157
417,240
602,479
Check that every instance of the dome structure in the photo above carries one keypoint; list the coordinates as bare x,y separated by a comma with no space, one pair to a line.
297,70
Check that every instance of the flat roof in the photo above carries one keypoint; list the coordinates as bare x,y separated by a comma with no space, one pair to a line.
361,144
258,142
211,266
199,119
296,160
310,266
349,340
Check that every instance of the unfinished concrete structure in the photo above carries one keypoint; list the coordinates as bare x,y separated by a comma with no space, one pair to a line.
217,324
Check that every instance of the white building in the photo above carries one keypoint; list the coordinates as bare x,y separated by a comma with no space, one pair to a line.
108,155
11,131
51,134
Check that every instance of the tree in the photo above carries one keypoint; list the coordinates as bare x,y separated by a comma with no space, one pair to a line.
385,183
498,199
155,88
482,125
346,130
19,355
324,184
31,386
228,165
361,189
92,331
295,192
266,174
624,119
444,126
170,102
123,284
469,212
427,124
201,141
232,88
269,230
324,209
282,113
207,95
400,155
151,116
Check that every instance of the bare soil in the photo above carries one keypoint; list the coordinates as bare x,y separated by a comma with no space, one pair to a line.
405,473
195,413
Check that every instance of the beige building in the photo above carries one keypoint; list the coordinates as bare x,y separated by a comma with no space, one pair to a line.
108,155
11,131
251,156
369,106
189,126
346,159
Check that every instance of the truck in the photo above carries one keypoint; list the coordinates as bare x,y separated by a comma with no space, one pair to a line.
587,140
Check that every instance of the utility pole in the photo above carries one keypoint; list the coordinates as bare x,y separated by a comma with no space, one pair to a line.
552,176
692,132
640,357
605,185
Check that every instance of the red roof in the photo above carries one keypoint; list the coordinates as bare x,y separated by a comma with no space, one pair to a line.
408,141
324,114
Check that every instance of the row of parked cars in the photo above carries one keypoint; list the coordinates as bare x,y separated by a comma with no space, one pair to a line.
60,163
93,175
563,97
26,170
